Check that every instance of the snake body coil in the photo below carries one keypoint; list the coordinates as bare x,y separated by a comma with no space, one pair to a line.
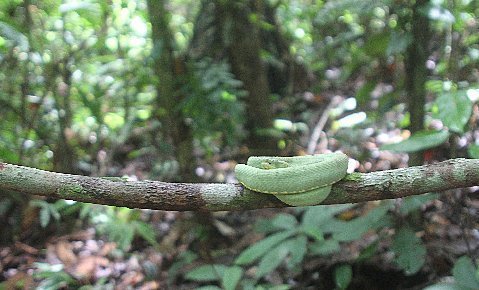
297,181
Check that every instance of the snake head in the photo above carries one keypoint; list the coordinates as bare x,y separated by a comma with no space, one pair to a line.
274,164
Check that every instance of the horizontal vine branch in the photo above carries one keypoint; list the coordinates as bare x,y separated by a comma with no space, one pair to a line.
356,187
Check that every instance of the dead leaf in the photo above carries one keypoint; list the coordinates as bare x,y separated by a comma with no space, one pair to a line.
86,267
65,253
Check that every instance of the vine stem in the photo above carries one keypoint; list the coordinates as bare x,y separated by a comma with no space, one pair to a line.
356,187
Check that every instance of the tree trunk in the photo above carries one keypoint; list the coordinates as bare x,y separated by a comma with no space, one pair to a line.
245,59
416,72
227,30
174,128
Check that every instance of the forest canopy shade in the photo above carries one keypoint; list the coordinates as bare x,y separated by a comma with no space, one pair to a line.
356,187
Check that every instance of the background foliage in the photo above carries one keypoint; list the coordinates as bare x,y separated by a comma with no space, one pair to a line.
181,90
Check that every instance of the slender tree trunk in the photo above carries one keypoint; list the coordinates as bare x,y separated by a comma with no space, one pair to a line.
228,30
244,53
64,160
416,71
174,127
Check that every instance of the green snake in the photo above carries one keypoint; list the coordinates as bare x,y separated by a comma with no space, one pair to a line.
296,181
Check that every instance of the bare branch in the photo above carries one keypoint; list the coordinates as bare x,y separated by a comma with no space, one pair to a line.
356,187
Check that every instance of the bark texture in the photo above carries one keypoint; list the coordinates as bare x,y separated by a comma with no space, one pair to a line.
356,187
416,71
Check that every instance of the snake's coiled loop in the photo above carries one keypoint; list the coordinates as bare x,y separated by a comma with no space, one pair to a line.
297,181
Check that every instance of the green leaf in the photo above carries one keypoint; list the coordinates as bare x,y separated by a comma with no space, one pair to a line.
342,276
454,110
473,151
368,252
231,277
44,217
258,249
313,232
284,221
8,155
465,273
325,247
315,216
410,252
297,248
147,232
206,273
364,93
354,229
419,141
272,260
377,44
412,203
121,233
435,86
183,259
53,211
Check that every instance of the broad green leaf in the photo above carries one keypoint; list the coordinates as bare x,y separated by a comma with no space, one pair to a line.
419,141
350,230
343,275
272,260
410,252
206,273
354,229
231,277
325,247
465,273
315,216
284,221
454,110
7,155
264,226
473,151
412,203
258,249
313,232
297,247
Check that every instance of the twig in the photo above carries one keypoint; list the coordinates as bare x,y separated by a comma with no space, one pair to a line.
313,141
